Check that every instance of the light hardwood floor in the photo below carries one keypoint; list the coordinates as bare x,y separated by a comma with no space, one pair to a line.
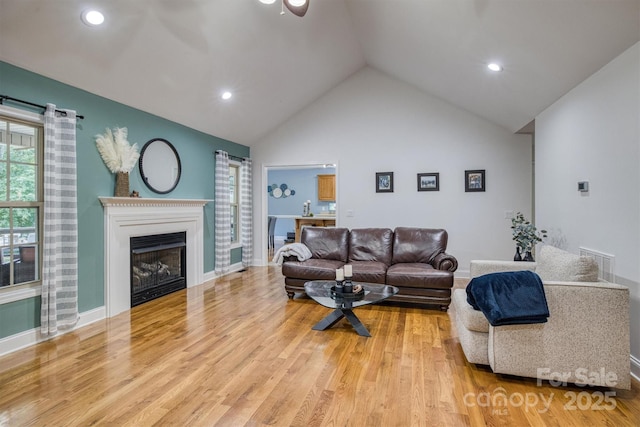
237,352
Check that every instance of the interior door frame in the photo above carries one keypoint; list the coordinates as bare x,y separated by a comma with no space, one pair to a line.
264,253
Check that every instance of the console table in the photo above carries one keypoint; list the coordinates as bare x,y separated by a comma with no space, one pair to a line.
315,221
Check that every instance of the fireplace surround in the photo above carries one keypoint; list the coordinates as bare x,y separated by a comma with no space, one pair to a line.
127,217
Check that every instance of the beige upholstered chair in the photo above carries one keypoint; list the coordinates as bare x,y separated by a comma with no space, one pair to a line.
585,340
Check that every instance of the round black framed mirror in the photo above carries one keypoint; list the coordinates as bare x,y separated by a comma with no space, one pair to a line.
160,166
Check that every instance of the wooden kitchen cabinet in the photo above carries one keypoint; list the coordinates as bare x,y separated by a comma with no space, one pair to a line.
327,188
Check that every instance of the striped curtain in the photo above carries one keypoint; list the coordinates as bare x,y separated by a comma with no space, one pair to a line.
246,212
223,214
60,234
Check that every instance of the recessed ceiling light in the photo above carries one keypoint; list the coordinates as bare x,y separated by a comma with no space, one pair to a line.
297,3
226,95
92,17
268,1
494,67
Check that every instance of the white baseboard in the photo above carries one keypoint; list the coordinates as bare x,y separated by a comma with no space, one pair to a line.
462,274
209,275
234,268
19,341
92,316
260,263
33,336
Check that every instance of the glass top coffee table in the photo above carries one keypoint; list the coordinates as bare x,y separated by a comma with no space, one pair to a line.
320,291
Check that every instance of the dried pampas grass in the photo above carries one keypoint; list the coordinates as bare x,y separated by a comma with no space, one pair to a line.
115,150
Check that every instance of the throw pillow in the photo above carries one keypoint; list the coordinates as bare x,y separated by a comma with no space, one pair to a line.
560,265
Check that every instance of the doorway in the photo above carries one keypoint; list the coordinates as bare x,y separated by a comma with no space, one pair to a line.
288,188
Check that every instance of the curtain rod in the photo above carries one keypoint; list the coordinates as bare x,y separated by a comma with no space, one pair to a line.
232,157
9,98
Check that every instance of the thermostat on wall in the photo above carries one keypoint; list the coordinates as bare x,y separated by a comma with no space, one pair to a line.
583,186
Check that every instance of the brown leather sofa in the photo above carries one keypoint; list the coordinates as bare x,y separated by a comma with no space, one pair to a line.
412,259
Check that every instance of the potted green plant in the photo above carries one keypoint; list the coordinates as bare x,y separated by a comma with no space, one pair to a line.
526,236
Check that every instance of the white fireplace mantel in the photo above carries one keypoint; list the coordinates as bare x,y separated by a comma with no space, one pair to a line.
126,217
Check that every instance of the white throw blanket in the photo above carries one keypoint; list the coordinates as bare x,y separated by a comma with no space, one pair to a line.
298,250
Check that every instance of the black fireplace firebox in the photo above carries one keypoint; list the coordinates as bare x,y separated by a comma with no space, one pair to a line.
158,266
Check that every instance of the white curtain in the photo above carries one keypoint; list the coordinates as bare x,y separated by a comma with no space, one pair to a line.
246,211
223,214
60,234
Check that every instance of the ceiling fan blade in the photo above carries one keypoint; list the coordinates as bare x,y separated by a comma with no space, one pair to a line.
297,10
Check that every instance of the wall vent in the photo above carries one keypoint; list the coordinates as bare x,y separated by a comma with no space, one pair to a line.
606,264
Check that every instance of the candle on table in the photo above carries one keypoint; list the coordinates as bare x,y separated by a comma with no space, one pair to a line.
339,274
348,270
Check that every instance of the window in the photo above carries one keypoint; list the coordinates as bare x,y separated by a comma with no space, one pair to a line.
234,192
21,201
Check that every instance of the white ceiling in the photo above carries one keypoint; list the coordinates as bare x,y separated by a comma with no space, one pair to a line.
173,58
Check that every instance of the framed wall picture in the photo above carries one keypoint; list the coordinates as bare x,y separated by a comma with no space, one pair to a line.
384,182
474,180
429,181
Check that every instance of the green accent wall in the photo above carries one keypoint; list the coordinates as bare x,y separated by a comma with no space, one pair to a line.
27,311
236,256
196,150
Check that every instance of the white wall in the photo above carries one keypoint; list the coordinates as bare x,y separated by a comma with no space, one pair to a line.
373,123
593,133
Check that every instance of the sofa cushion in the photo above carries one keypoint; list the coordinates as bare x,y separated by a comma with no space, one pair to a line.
312,269
472,320
327,243
418,275
418,245
369,271
556,264
371,244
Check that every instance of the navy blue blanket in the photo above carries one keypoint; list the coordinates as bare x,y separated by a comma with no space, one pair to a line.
509,298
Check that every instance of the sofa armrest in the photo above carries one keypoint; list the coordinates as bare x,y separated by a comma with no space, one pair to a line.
587,333
446,262
481,267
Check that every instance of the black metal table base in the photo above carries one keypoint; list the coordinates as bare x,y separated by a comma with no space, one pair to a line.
338,314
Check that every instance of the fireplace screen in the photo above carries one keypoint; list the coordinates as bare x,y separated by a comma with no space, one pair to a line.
158,266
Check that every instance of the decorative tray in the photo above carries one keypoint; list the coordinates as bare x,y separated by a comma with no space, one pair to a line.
347,295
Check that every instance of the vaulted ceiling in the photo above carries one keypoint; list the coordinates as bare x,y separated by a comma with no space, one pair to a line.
174,58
